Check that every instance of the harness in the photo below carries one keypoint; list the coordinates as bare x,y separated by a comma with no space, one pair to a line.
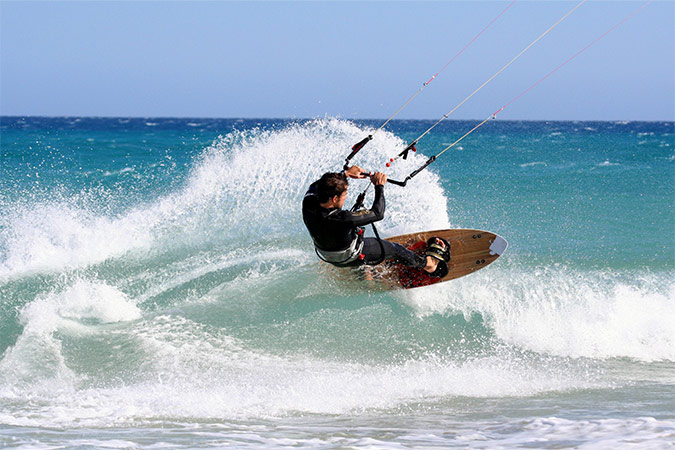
342,257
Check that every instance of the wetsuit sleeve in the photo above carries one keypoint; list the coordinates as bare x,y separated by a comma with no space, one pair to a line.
366,216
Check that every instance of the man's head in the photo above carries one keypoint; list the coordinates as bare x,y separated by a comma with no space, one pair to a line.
332,188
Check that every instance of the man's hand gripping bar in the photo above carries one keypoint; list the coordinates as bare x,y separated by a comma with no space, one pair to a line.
389,180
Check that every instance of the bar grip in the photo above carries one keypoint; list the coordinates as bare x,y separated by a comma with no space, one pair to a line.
389,180
397,183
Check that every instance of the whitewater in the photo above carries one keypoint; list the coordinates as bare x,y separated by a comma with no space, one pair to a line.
158,288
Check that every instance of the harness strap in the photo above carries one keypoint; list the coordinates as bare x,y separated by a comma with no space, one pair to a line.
341,257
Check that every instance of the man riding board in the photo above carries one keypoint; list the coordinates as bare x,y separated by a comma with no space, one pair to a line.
338,236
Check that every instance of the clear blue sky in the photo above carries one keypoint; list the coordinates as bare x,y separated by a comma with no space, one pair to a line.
347,59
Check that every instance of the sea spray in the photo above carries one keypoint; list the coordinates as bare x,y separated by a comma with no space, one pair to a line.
243,189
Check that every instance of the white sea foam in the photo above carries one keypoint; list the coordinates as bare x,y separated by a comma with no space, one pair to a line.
554,432
565,313
191,269
376,433
37,356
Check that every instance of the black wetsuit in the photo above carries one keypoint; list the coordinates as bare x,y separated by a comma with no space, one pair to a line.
335,229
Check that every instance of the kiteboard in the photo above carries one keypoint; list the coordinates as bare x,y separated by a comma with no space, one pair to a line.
470,250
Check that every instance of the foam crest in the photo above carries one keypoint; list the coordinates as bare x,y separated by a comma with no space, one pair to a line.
230,267
37,355
565,313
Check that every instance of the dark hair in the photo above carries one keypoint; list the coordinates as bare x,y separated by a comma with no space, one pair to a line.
330,185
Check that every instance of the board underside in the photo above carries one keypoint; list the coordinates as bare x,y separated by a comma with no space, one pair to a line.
471,250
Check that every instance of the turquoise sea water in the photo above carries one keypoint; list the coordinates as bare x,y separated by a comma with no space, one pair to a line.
158,288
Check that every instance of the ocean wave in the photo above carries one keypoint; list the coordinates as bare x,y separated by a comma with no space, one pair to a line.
37,358
565,312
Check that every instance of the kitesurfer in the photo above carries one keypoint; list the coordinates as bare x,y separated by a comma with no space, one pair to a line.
337,233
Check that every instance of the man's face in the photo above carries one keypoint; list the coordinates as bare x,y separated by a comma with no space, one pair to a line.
341,199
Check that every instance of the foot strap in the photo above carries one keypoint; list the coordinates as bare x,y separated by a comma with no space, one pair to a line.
436,250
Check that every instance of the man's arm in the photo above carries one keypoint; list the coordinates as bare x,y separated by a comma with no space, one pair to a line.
366,216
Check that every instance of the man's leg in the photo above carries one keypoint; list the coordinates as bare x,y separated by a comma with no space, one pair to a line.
373,252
